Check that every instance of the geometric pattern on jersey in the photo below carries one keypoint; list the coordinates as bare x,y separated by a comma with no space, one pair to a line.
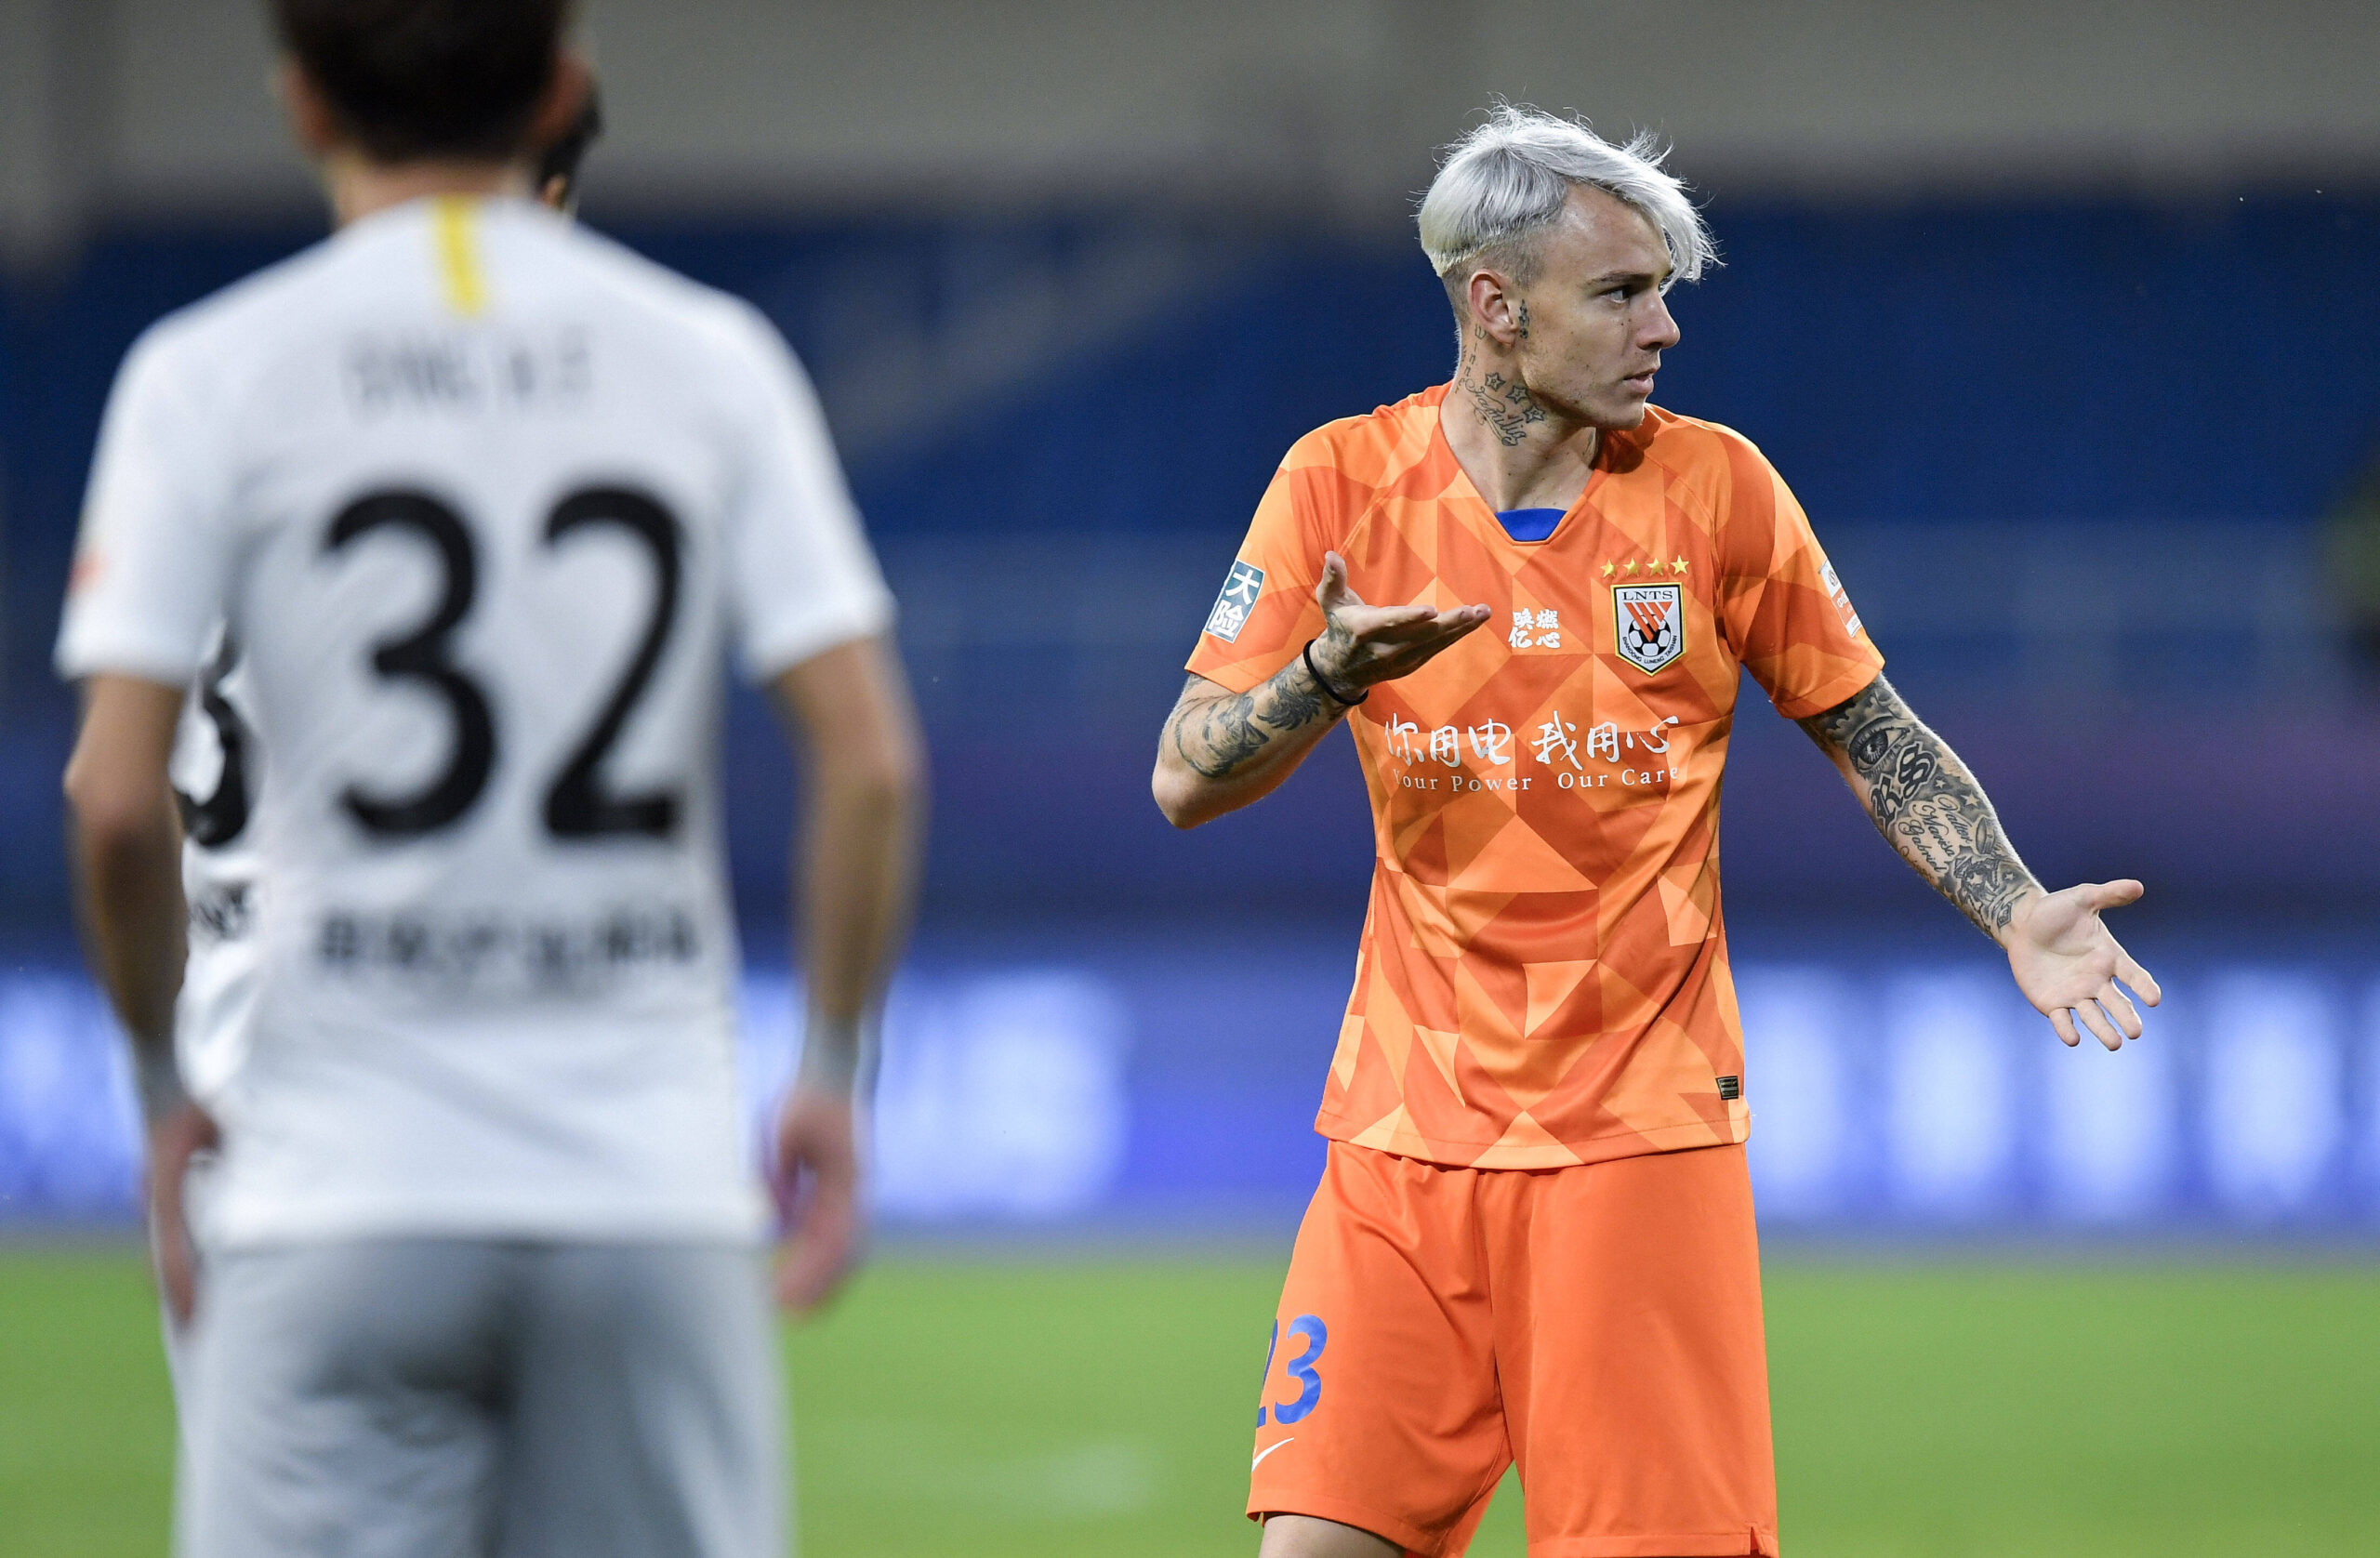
1543,976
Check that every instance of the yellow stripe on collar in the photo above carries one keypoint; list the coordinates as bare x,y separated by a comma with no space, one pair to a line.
458,255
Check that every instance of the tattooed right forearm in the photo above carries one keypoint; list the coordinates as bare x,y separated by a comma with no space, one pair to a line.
1219,736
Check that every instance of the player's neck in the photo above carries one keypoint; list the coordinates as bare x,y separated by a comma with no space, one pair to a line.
1520,452
359,186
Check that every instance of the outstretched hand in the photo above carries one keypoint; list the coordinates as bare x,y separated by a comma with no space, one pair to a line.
1364,645
817,1183
2069,965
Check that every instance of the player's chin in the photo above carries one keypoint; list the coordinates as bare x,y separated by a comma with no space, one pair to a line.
1624,406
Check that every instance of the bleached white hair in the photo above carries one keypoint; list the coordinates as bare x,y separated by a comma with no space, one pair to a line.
1505,182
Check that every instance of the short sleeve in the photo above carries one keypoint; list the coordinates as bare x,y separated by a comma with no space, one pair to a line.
1783,608
800,574
1265,611
152,562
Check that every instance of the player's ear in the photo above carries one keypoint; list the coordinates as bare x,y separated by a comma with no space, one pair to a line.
312,119
565,97
1491,300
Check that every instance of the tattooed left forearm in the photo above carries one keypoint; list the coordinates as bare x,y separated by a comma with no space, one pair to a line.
1925,803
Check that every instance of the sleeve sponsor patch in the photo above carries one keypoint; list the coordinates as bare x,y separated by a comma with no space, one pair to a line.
1241,587
1841,601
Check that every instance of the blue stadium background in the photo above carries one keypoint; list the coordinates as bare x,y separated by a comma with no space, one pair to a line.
2073,460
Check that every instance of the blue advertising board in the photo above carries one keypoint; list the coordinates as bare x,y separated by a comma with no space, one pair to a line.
1099,1082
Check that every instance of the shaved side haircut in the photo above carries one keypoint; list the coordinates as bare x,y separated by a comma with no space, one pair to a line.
1506,182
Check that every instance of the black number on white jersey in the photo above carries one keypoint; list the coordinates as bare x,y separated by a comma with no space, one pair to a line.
576,804
421,657
220,818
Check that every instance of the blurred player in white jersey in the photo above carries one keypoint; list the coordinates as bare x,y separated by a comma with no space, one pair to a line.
483,501
216,776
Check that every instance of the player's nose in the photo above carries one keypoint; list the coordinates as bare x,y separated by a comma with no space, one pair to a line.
1658,331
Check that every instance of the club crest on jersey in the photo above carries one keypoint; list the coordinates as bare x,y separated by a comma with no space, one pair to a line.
1651,623
1241,587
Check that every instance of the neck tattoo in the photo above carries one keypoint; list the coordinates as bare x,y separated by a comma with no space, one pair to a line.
1503,405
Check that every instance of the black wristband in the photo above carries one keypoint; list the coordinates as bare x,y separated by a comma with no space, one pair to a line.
1320,680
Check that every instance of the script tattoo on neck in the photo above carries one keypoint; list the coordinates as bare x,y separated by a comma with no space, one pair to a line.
1503,405
1217,736
1927,804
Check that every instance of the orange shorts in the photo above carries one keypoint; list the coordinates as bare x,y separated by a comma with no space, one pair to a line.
1599,1325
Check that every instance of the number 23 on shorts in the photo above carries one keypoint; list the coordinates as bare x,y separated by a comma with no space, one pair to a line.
1310,1331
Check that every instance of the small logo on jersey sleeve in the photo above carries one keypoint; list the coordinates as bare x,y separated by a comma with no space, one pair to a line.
1241,587
1841,601
1731,1089
1650,624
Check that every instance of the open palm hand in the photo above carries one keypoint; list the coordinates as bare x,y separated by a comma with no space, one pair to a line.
1362,644
2072,970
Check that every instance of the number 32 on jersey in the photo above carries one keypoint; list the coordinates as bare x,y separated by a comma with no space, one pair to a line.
577,804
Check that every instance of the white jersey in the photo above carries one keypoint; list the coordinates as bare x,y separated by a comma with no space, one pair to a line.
483,500
216,774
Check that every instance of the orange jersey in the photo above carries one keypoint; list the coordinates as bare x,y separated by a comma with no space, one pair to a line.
1543,975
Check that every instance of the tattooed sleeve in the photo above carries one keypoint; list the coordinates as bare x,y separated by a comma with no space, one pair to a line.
1218,737
1925,803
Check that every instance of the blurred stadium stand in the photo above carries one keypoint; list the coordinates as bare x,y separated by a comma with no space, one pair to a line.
2059,319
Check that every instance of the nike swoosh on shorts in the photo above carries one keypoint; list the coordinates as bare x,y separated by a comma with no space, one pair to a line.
1266,1451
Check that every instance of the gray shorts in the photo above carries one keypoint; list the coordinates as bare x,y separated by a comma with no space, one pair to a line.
459,1398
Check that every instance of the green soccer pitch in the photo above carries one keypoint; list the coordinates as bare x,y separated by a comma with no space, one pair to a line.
1073,1405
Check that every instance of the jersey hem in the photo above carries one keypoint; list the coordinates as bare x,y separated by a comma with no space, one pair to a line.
1683,1136
1240,676
1842,689
1752,1541
770,659
167,668
1346,1512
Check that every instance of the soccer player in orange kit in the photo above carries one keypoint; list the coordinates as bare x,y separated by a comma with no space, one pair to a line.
1533,1240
